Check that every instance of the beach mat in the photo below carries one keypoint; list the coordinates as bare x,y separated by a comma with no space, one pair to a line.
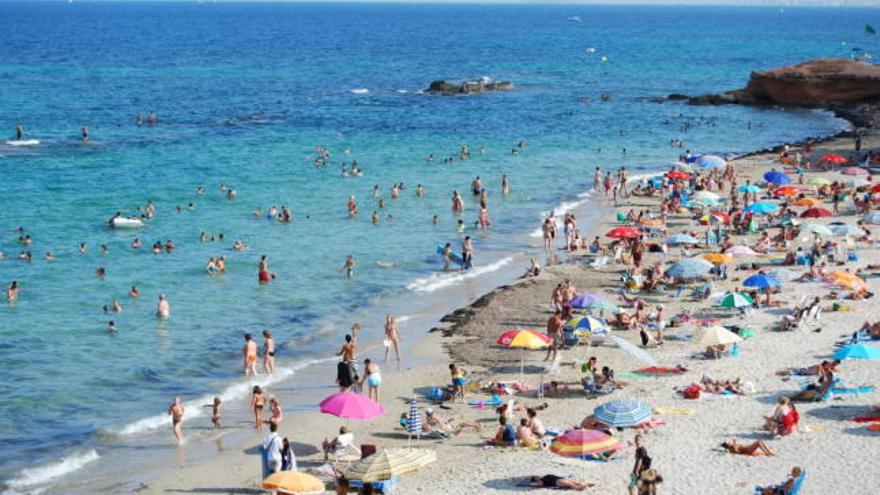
679,411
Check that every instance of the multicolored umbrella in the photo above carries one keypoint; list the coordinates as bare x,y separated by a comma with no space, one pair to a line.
717,335
350,405
761,281
857,351
715,217
294,483
389,463
776,177
414,419
524,339
816,213
623,233
681,239
763,208
623,413
689,268
587,325
582,443
735,300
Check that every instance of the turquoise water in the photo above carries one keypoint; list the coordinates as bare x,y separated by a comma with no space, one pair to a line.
244,94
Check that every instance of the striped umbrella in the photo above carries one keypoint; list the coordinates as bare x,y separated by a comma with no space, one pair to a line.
582,444
414,420
587,326
735,300
389,463
524,339
622,413
294,483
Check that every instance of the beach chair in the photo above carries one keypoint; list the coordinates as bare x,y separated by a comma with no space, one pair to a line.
346,451
599,262
795,487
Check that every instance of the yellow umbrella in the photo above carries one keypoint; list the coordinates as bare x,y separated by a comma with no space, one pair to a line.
718,335
847,280
718,258
808,202
294,483
389,463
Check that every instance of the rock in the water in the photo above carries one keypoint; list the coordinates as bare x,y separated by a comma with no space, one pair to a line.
468,87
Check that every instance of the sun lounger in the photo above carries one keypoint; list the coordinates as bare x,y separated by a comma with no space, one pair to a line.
795,488
346,450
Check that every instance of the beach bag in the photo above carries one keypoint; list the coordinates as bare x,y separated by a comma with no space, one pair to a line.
692,392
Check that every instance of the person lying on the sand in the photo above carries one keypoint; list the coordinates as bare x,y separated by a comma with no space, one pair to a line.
553,481
873,329
450,425
786,486
721,386
756,448
816,369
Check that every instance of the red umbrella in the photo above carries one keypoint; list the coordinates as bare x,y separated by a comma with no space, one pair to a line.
816,213
787,191
676,175
624,233
833,159
875,188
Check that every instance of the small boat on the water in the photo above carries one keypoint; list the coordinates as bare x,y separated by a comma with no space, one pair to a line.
121,222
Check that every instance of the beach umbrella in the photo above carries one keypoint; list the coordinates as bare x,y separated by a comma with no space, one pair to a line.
681,239
651,222
689,268
816,213
854,171
875,188
294,483
776,177
740,251
819,181
350,405
762,208
872,217
389,463
816,229
715,217
589,324
678,175
414,420
784,275
711,161
581,300
846,229
717,335
761,281
846,279
692,158
749,188
623,233
832,158
718,258
786,191
582,444
857,351
705,201
735,300
524,339
808,202
621,413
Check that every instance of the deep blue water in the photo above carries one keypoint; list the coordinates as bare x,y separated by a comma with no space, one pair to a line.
244,93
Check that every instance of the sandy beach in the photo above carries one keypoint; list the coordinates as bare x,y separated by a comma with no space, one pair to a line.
685,450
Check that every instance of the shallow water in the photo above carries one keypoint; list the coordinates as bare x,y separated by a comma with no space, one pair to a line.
244,94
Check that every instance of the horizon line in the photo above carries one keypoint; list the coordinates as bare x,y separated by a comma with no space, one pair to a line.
561,3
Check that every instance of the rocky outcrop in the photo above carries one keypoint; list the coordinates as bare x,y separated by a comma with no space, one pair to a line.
468,87
839,84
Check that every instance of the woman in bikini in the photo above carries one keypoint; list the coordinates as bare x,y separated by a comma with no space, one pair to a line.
268,352
756,448
392,337
258,400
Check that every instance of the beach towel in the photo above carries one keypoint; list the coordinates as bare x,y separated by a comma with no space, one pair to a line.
680,411
855,390
495,401
874,428
866,419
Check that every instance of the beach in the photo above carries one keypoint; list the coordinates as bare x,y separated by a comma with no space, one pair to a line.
685,449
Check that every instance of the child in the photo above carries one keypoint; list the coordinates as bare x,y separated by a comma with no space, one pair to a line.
215,412
458,380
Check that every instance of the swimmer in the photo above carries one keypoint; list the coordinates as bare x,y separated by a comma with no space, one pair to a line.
238,245
249,351
136,243
395,191
101,272
163,308
215,412
221,264
435,220
476,186
376,190
169,246
176,411
104,249
152,119
467,253
211,266
49,256
268,352
381,203
138,119
231,194
83,248
203,237
505,185
111,326
12,292
117,306
352,207
447,256
420,191
85,133
348,267
19,132
200,191
133,293
157,247
264,275
375,218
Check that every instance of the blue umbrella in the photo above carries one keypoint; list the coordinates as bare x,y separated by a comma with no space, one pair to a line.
681,239
857,351
623,412
777,178
690,268
749,188
872,216
784,275
693,158
761,281
762,208
711,161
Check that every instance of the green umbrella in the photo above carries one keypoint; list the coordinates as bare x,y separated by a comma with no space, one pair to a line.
735,300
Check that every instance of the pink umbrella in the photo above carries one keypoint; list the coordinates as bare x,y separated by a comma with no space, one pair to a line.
854,171
351,405
740,251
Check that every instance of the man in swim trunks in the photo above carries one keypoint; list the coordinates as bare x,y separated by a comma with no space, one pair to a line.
19,132
163,308
249,351
348,267
554,331
176,412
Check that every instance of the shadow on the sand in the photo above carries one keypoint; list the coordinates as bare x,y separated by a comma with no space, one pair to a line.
507,484
219,491
839,413
862,431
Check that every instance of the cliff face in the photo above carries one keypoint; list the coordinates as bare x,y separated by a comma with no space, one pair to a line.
846,86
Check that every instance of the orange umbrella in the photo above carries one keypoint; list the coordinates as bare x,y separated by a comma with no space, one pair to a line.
718,258
808,202
786,191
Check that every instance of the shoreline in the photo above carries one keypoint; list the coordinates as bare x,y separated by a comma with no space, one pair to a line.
438,342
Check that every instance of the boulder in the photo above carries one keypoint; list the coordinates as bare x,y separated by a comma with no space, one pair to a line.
468,87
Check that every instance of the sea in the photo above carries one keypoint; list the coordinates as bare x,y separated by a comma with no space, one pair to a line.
246,97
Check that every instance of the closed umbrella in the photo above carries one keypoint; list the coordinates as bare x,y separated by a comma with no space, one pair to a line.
689,268
681,239
414,419
350,405
717,335
762,208
857,351
622,413
816,213
389,463
735,300
294,483
777,178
